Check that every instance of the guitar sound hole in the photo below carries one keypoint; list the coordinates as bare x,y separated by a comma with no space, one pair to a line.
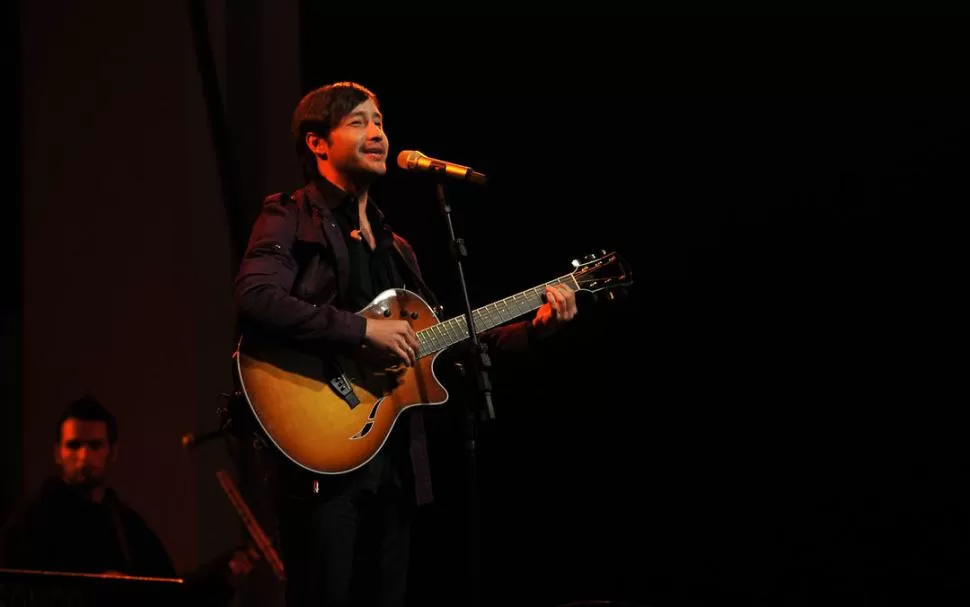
369,423
363,431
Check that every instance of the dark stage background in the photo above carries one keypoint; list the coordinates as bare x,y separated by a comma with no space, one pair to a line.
767,418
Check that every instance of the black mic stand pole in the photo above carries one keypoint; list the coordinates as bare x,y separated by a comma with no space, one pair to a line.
479,364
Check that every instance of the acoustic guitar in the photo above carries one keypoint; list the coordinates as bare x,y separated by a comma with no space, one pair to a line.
331,415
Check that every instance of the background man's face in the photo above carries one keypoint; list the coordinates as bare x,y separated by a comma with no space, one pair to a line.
84,452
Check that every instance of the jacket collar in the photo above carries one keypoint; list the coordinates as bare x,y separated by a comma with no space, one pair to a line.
325,197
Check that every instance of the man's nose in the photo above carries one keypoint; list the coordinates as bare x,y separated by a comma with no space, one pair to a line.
83,453
374,131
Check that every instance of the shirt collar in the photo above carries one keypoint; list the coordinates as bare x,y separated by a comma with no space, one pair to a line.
327,197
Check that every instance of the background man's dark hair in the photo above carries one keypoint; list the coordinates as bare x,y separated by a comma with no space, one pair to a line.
320,111
88,409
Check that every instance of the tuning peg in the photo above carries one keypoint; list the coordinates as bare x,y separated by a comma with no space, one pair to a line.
575,263
590,257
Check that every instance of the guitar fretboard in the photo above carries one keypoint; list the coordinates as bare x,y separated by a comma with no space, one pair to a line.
452,331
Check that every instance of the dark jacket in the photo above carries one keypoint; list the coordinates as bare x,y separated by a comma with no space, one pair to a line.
61,531
295,274
295,271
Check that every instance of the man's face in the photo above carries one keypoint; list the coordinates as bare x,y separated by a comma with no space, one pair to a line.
358,144
84,452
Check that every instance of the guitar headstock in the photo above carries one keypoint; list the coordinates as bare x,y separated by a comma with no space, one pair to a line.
602,271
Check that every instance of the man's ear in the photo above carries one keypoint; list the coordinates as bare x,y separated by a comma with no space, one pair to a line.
114,453
317,144
57,455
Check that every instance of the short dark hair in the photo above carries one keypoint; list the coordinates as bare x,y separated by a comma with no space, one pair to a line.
88,409
320,111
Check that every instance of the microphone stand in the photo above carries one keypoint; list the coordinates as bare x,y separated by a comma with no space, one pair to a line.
479,364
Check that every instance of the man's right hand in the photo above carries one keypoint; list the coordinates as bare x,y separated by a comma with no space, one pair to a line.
393,337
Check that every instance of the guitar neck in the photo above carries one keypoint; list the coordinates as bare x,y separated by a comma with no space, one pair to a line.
455,330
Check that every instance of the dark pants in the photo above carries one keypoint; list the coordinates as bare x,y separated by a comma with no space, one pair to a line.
348,546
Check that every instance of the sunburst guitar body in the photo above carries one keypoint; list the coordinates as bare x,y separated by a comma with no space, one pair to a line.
333,414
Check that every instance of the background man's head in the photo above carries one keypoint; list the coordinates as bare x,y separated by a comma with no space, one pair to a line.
85,447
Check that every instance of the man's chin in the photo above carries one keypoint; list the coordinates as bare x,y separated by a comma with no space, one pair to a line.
374,168
84,482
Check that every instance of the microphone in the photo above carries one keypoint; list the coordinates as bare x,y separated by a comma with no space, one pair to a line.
413,160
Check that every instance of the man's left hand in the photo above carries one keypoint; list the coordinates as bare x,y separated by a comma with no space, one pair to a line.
560,308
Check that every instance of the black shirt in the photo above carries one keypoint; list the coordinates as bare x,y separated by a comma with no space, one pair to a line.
371,272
